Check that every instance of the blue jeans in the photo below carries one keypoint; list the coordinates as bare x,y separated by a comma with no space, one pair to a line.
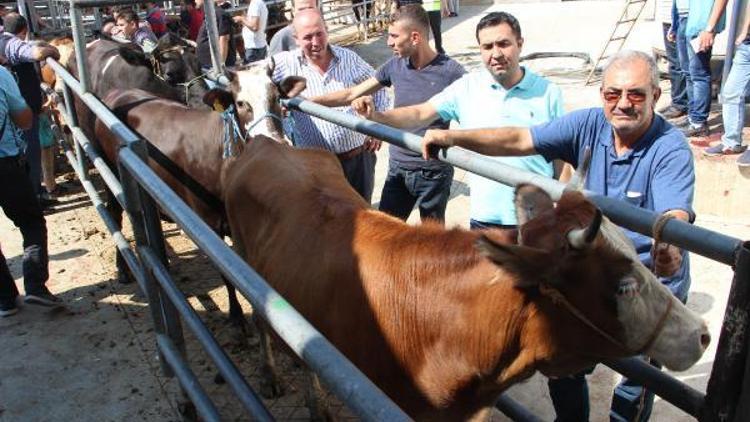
683,60
698,83
678,89
255,54
427,188
733,97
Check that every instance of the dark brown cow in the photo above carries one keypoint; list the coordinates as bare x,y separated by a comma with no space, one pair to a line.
187,146
445,320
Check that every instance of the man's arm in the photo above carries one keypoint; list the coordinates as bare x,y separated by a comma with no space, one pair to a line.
504,141
410,117
345,96
22,118
708,34
252,22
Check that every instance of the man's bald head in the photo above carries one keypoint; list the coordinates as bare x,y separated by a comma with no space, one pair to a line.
311,34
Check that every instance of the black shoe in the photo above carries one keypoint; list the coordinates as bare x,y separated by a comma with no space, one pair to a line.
47,200
43,297
8,307
701,131
672,112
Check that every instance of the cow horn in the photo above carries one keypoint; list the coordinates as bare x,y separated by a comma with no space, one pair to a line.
579,177
582,238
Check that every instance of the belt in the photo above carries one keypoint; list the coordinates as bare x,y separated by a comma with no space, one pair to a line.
348,155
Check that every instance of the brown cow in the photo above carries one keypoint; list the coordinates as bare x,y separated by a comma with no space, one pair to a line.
444,320
187,145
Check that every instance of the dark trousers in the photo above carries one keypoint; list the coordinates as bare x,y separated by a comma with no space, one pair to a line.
435,18
19,202
34,154
676,77
360,173
429,189
481,225
255,54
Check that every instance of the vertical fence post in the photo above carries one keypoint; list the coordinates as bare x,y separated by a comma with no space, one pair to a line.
79,37
155,239
133,209
726,384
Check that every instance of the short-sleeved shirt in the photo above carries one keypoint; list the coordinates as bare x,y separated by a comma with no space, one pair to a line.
11,142
17,50
346,69
415,86
224,25
145,38
283,40
256,39
657,174
477,101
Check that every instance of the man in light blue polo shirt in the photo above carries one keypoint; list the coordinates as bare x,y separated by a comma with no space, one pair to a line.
636,156
501,94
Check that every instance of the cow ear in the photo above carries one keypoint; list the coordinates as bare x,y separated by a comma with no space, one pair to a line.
530,202
134,57
530,265
291,86
218,99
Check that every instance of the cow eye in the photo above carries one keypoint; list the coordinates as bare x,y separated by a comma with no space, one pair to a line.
629,286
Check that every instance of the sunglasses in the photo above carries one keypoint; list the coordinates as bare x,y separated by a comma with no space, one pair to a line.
614,95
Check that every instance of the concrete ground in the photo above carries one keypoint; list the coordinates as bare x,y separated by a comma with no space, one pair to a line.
96,360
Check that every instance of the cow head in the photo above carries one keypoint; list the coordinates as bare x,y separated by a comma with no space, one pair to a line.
177,61
572,260
255,98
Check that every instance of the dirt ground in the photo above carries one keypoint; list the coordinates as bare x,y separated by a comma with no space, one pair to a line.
96,360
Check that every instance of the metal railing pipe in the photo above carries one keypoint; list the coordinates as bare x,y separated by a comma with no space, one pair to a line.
226,367
340,375
663,385
696,239
79,39
725,383
514,410
189,382
79,4
213,37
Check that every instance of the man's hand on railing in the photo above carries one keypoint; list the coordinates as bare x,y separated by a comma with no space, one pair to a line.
433,141
364,106
372,144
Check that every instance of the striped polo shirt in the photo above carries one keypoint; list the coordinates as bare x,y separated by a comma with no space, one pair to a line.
346,69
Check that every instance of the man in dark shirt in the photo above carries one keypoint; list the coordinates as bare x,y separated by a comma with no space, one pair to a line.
416,72
226,42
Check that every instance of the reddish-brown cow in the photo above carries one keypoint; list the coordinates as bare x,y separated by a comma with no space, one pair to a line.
445,320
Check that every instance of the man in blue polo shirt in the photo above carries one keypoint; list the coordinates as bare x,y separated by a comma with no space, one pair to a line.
18,201
502,93
637,157
416,72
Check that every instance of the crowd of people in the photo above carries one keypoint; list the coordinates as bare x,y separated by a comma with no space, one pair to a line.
638,154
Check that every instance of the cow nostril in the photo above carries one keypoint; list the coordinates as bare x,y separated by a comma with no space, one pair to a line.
705,340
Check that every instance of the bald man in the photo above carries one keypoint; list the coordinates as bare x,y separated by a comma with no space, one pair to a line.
329,68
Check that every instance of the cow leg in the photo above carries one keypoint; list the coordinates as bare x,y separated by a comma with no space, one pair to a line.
316,401
236,317
270,381
115,210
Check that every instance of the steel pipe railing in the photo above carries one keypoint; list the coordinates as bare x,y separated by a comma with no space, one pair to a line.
226,367
343,378
695,239
189,383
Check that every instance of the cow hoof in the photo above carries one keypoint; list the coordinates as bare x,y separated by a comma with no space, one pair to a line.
219,379
187,411
271,390
124,278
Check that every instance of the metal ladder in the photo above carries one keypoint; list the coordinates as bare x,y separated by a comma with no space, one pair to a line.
629,16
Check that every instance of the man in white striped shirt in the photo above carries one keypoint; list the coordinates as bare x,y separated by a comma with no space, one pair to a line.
329,68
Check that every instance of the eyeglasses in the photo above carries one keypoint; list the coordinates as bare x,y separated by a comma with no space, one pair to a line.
614,95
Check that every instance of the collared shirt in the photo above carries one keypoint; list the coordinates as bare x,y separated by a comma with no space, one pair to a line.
11,142
477,101
17,50
144,38
657,174
345,70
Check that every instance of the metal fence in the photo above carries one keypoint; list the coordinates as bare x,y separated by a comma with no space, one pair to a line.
728,393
